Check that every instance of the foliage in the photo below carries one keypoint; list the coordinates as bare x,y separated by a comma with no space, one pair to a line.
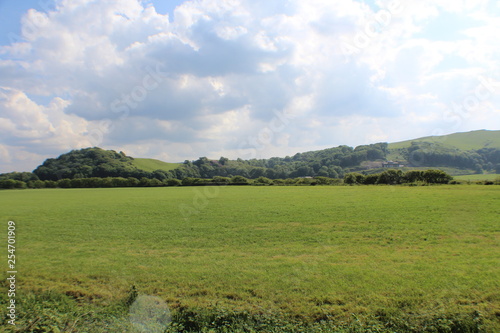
354,178
333,163
390,177
21,176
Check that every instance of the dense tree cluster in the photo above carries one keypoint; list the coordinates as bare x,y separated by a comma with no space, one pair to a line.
92,163
388,177
87,163
431,154
394,177
96,162
330,163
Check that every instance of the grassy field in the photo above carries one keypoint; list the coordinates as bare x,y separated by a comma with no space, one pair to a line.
465,141
150,164
368,258
490,176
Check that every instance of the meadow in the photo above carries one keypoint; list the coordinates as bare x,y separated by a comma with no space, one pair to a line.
480,177
260,258
149,164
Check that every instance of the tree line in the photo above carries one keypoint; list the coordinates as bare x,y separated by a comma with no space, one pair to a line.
388,177
432,154
96,162
331,163
395,177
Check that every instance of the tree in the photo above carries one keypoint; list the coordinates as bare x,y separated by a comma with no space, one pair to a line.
436,177
322,180
239,180
223,160
413,176
371,179
257,172
160,174
390,177
8,183
221,180
119,182
172,182
263,180
36,184
188,181
64,183
353,178
132,182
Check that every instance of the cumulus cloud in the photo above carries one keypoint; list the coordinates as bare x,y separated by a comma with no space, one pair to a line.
214,76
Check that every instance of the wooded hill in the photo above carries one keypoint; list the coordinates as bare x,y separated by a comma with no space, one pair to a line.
432,152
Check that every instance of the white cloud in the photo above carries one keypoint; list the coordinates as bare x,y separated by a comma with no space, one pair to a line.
216,73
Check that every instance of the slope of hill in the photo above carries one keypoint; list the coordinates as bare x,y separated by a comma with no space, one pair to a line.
464,141
477,151
150,164
97,162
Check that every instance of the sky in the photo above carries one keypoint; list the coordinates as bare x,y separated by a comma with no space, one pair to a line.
177,80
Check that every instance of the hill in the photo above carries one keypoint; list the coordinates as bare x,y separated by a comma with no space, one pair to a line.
474,140
150,164
477,152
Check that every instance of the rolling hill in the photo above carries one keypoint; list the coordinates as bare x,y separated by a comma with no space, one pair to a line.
461,153
464,141
150,164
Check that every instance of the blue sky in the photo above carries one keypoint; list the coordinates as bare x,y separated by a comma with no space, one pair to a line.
177,80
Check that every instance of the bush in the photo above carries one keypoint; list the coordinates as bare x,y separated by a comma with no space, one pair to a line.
221,180
436,177
11,184
304,181
64,183
413,176
172,182
391,177
36,184
353,178
239,180
50,184
263,180
371,179
132,182
324,180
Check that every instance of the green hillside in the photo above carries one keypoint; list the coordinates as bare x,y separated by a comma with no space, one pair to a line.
463,141
489,176
150,164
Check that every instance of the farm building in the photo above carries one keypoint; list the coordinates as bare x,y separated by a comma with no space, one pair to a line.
391,164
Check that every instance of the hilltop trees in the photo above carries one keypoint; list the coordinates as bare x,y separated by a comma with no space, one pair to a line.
87,163
334,162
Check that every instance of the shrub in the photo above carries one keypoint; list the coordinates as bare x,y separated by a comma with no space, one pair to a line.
172,182
64,183
371,179
436,177
390,177
239,180
221,180
413,176
263,180
353,178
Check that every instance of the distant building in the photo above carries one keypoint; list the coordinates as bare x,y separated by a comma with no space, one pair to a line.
391,164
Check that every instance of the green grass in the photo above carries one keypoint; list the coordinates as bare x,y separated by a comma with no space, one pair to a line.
309,253
474,177
149,164
465,141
